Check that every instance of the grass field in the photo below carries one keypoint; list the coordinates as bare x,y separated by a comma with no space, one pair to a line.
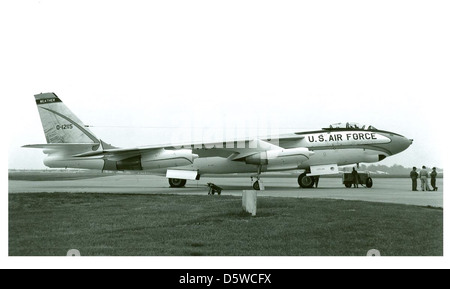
174,225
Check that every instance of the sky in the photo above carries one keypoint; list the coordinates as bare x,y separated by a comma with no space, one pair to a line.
149,72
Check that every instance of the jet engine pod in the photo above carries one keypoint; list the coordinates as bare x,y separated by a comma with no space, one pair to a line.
167,158
281,157
257,159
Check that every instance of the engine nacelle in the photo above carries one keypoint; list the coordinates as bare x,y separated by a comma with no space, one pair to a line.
294,156
167,158
157,159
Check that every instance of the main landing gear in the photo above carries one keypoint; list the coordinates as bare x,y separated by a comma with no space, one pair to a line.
307,182
177,183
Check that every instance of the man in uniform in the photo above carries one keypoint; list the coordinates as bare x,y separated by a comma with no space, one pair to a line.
433,176
424,179
355,178
414,176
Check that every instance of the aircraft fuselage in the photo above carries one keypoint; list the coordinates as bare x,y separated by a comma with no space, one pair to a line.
340,147
70,144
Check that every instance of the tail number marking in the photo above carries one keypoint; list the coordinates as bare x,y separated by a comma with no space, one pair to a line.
64,126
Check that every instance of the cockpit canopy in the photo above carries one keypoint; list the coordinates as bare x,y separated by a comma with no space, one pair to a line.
351,125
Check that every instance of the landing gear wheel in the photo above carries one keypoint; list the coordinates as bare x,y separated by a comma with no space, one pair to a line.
369,183
256,186
305,181
177,183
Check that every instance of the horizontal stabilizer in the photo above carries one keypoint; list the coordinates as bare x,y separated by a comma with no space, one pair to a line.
63,146
66,149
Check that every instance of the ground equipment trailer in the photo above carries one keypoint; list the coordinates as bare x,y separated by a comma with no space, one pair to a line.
363,179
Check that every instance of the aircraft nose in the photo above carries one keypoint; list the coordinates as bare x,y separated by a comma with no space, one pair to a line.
400,143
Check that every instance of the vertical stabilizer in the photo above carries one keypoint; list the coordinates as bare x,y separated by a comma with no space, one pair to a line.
59,123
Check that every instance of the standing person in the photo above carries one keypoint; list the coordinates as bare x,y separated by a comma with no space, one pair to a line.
414,176
433,176
355,178
316,181
424,178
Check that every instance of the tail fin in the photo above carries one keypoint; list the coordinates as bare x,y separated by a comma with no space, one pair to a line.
59,123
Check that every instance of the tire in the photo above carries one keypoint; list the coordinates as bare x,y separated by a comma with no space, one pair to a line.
369,183
256,186
348,184
177,183
305,181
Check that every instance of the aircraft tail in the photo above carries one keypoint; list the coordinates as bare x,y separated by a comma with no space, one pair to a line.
60,125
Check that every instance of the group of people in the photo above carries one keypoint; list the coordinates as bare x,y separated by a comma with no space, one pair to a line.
423,176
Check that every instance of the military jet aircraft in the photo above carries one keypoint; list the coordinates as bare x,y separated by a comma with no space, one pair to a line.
70,144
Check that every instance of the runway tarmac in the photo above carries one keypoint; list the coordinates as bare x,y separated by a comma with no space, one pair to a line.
395,190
